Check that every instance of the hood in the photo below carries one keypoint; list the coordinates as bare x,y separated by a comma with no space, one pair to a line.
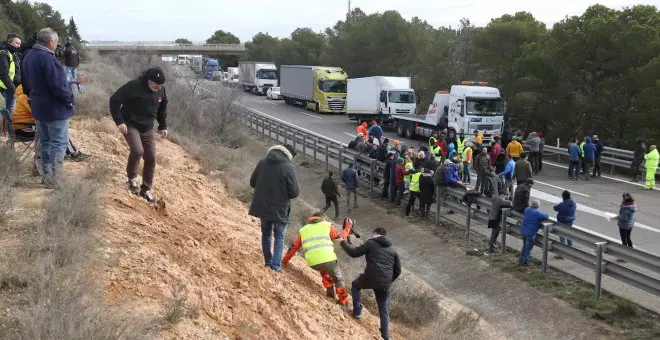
10,48
278,154
629,206
382,240
587,139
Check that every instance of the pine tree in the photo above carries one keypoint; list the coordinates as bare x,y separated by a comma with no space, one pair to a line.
73,30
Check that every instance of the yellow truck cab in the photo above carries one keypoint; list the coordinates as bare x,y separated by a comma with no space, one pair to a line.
318,88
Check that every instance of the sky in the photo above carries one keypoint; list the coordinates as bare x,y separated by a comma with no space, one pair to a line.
196,20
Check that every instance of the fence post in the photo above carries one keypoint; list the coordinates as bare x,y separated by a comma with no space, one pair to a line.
270,129
293,134
505,227
316,142
600,248
438,204
327,156
546,244
263,128
304,143
372,173
285,135
341,159
468,220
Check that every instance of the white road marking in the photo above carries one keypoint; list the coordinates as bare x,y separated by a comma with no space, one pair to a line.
350,134
560,188
270,102
607,177
311,115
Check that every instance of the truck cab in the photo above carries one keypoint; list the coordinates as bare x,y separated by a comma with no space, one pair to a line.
398,101
329,90
265,77
212,67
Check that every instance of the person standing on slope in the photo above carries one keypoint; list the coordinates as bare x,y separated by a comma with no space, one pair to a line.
315,238
651,165
134,107
383,267
275,184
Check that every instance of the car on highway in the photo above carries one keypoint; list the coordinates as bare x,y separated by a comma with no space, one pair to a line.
273,93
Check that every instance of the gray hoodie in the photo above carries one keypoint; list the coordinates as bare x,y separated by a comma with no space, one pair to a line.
534,142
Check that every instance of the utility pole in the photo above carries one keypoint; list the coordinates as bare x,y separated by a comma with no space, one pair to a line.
349,9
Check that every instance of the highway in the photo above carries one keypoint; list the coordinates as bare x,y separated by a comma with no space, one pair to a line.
594,197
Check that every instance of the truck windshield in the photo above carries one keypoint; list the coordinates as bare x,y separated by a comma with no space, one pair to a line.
333,86
406,97
485,107
267,74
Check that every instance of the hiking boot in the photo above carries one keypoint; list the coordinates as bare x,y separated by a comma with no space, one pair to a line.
133,186
358,316
148,195
330,292
79,157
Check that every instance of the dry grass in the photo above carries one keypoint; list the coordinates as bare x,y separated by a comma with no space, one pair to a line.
9,172
178,306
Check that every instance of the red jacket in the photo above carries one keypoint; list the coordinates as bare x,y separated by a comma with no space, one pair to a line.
399,171
443,146
494,152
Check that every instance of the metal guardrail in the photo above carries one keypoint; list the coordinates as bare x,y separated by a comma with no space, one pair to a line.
588,249
615,158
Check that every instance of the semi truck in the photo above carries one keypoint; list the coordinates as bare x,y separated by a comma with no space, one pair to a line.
380,98
470,106
318,88
211,66
256,77
232,76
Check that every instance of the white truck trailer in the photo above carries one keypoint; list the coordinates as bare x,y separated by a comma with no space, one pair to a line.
465,108
256,77
380,98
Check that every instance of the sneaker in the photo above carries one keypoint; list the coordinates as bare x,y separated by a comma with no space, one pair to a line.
148,195
358,316
79,157
133,186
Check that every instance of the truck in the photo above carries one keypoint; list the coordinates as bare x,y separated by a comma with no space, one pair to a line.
256,77
232,78
470,106
380,98
318,88
196,64
210,66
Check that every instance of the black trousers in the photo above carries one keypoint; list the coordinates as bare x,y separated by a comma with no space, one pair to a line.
625,237
411,201
332,200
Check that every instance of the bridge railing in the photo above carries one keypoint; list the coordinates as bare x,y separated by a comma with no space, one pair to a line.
588,249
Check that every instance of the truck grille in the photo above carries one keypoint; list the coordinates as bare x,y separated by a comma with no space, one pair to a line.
485,127
336,104
402,111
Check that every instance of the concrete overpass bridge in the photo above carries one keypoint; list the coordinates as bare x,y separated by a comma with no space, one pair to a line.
167,49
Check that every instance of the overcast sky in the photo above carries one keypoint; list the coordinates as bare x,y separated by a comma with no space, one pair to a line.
166,20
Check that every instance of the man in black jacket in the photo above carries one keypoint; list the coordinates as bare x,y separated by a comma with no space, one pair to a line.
599,152
134,107
383,267
275,184
71,61
10,70
331,192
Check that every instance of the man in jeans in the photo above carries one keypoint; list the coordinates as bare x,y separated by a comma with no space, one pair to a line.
275,184
350,178
52,103
530,226
383,267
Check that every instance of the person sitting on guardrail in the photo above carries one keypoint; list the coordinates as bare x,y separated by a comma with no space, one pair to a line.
651,164
566,214
523,169
522,195
626,219
508,174
589,150
514,148
638,158
599,151
331,193
350,178
531,223
499,202
451,176
575,154
376,130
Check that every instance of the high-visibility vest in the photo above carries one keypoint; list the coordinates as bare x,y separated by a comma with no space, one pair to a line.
12,67
467,155
316,243
409,166
432,141
582,147
414,183
460,146
437,152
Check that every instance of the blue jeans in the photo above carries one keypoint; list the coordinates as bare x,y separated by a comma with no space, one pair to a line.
273,259
53,141
71,73
528,244
466,172
564,240
10,101
382,299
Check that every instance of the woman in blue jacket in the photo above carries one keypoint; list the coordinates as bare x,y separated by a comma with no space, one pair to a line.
626,219
566,213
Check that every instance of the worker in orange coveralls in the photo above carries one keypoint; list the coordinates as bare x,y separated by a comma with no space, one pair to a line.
316,238
362,128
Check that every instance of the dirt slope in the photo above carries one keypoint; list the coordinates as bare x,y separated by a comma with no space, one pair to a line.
204,242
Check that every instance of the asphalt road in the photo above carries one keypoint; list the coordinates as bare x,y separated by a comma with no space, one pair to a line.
594,197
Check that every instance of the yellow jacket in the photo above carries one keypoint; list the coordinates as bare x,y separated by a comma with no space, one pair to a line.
22,113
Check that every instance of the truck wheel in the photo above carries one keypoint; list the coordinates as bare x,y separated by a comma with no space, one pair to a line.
409,131
399,129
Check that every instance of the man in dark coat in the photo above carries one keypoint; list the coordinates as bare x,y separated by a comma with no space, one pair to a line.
638,159
275,184
599,151
426,191
383,267
522,195
331,192
387,174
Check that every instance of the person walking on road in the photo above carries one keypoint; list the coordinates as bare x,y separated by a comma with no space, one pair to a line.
531,223
350,178
575,154
589,150
51,101
626,219
315,238
275,184
383,268
651,164
331,192
599,151
566,213
134,107
523,169
534,144
638,158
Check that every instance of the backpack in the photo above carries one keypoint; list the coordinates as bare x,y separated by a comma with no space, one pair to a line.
352,144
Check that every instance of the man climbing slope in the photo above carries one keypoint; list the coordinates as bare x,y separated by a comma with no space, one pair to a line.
316,238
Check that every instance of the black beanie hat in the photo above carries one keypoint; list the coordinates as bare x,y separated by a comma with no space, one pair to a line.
156,75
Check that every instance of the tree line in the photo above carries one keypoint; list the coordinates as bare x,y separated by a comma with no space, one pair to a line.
596,73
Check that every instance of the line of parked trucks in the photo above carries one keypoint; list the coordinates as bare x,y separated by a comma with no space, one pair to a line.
391,101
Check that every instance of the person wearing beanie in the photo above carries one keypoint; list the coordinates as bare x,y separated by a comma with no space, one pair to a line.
376,130
134,107
275,184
